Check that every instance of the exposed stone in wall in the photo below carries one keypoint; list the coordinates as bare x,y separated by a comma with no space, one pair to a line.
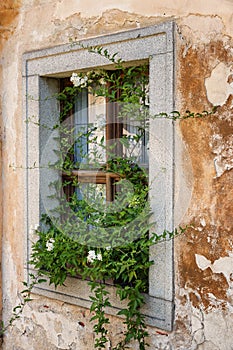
222,139
52,325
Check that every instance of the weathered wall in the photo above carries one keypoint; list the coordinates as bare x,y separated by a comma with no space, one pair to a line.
9,10
204,75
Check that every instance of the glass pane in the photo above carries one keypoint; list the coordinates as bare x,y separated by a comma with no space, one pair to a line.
97,119
135,146
81,127
89,130
93,193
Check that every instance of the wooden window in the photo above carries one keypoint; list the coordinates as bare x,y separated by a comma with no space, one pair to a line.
104,137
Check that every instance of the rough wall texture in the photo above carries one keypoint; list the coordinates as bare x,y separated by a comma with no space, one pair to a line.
204,76
8,14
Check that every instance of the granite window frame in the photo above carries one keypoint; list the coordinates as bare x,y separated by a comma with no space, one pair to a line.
41,72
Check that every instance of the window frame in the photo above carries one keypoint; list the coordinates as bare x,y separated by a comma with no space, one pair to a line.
41,72
113,131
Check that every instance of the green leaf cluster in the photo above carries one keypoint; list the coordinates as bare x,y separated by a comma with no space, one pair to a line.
104,242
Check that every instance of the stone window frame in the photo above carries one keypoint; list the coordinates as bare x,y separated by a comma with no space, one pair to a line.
41,70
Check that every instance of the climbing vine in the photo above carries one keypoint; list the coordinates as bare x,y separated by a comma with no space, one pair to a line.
86,234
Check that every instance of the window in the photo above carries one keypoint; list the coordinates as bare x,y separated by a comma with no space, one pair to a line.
44,71
103,133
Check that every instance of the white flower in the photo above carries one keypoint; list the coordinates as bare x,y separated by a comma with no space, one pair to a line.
50,244
36,227
108,248
78,81
91,256
99,256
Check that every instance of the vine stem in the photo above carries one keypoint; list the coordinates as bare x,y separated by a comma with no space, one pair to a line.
99,302
25,298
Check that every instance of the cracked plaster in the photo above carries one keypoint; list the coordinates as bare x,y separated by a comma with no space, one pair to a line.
200,27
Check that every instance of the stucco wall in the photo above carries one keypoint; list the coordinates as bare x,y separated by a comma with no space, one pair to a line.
204,255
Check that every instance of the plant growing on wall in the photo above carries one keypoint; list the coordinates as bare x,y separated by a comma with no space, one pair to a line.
110,242
101,228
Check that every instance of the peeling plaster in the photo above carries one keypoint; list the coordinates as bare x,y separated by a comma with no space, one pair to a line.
48,328
202,28
219,85
223,150
222,265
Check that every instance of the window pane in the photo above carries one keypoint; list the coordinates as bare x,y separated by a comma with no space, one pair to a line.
81,126
97,118
92,193
135,146
89,129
